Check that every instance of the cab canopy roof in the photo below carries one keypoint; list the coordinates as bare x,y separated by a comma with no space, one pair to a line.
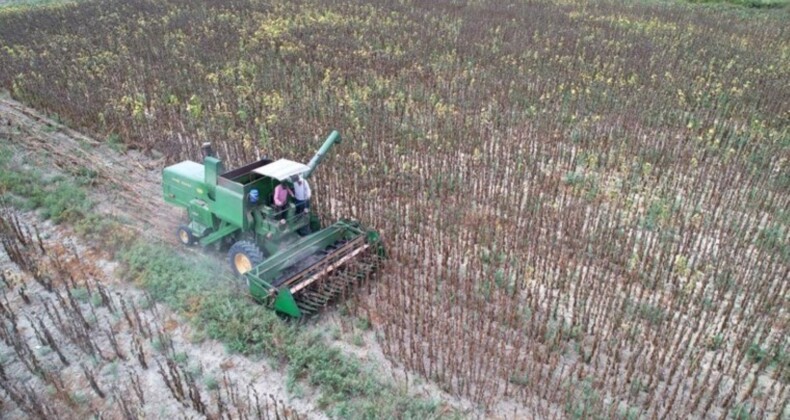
282,169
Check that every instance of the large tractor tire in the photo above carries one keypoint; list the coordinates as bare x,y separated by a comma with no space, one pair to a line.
185,235
243,256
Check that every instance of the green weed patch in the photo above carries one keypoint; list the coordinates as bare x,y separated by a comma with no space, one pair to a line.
56,197
754,4
203,293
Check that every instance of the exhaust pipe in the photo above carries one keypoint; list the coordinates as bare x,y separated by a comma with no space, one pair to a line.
207,150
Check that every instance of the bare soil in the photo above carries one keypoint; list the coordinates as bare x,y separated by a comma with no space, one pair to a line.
127,186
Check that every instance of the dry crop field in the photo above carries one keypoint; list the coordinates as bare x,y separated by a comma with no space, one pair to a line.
586,204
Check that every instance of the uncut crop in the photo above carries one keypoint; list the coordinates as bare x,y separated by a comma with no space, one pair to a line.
585,206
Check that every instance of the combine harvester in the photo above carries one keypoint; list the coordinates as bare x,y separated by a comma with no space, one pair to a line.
286,258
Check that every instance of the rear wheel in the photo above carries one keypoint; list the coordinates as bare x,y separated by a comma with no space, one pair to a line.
185,235
243,256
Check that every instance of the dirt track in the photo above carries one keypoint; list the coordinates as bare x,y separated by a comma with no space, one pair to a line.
128,188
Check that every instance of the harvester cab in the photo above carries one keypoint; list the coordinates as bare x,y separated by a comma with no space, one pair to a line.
284,256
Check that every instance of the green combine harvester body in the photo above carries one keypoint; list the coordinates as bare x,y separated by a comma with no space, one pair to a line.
286,258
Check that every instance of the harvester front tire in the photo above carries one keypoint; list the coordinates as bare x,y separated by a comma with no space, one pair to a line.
243,256
185,235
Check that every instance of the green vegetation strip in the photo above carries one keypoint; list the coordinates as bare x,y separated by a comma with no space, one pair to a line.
202,292
57,197
17,5
754,4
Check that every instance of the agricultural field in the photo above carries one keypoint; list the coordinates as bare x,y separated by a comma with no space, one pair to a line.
585,207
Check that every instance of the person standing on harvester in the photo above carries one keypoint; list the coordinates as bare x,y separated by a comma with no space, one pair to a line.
302,194
281,193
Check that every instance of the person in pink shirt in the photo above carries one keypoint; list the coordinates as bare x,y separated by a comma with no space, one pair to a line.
281,193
